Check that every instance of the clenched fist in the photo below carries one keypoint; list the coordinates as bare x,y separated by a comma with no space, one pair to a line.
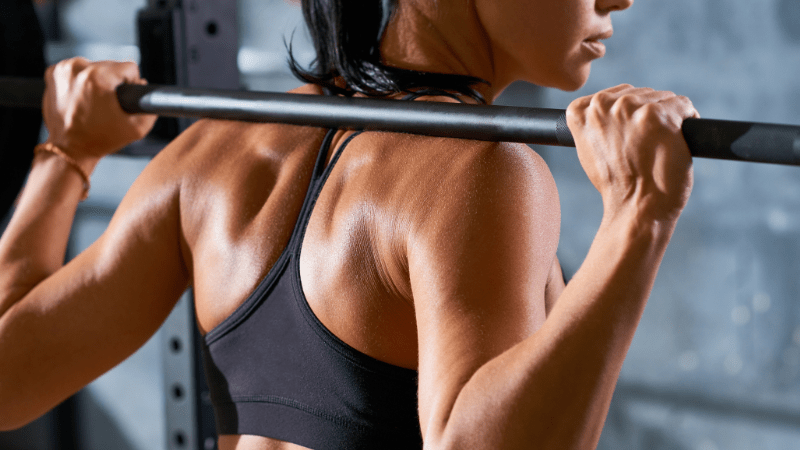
630,144
81,110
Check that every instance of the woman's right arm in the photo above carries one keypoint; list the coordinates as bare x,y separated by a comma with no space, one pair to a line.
61,326
494,373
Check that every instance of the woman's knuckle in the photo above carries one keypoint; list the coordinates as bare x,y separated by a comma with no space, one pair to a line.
87,79
620,111
580,104
686,101
625,106
601,101
642,119
605,97
130,65
63,66
576,113
630,99
75,64
654,110
91,73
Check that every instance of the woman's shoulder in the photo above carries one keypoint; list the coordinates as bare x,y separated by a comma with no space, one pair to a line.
439,180
460,162
212,145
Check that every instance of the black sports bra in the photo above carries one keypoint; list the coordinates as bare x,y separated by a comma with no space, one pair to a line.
274,370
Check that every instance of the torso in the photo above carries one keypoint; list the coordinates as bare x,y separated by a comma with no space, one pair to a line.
242,190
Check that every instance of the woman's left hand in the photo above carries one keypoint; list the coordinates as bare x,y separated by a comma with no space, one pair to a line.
81,110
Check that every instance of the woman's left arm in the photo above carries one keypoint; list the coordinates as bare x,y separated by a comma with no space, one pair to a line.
61,326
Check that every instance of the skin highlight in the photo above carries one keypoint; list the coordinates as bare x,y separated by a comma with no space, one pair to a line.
450,271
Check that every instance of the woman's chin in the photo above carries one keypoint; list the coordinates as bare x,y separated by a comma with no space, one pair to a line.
575,79
568,76
567,79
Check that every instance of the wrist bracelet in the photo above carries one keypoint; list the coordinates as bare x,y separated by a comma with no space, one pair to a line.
50,148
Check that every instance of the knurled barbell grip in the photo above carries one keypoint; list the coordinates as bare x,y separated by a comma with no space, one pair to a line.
743,141
707,138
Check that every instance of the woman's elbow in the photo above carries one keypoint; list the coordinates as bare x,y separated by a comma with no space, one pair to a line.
8,421
15,412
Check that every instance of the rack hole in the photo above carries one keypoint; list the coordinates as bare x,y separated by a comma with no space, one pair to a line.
180,438
177,391
175,345
211,28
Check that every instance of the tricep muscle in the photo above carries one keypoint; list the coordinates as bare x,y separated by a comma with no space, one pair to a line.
99,308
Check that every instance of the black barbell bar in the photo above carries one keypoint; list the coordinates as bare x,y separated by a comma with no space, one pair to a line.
707,138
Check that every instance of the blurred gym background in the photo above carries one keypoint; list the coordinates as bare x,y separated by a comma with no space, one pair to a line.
716,361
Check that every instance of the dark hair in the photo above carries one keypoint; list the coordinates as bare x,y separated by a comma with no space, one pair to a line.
347,36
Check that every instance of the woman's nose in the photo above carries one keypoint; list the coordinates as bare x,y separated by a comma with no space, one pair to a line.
607,6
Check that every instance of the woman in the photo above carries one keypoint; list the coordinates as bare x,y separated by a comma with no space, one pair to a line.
427,304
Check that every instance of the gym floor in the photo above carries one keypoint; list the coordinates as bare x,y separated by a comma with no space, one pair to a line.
716,361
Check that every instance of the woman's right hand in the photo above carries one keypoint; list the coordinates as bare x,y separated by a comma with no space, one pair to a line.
630,144
82,113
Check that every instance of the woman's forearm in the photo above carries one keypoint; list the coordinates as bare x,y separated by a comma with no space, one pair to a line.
33,246
554,388
85,123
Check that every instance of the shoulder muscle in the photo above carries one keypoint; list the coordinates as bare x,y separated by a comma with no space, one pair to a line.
479,260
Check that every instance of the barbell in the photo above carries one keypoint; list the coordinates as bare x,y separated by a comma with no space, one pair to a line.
21,90
707,138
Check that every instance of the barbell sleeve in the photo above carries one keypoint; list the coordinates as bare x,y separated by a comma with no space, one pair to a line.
707,138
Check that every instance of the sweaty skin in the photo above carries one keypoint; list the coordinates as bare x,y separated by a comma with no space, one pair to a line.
427,253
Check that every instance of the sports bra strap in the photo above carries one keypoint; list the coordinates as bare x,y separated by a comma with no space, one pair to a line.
432,93
318,178
321,171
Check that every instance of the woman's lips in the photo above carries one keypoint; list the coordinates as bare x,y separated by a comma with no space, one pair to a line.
595,47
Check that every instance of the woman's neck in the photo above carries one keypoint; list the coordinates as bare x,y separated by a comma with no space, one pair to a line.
443,41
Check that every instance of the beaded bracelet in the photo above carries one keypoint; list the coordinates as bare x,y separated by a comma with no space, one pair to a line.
50,148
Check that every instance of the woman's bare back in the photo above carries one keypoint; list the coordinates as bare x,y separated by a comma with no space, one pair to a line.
241,195
242,189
